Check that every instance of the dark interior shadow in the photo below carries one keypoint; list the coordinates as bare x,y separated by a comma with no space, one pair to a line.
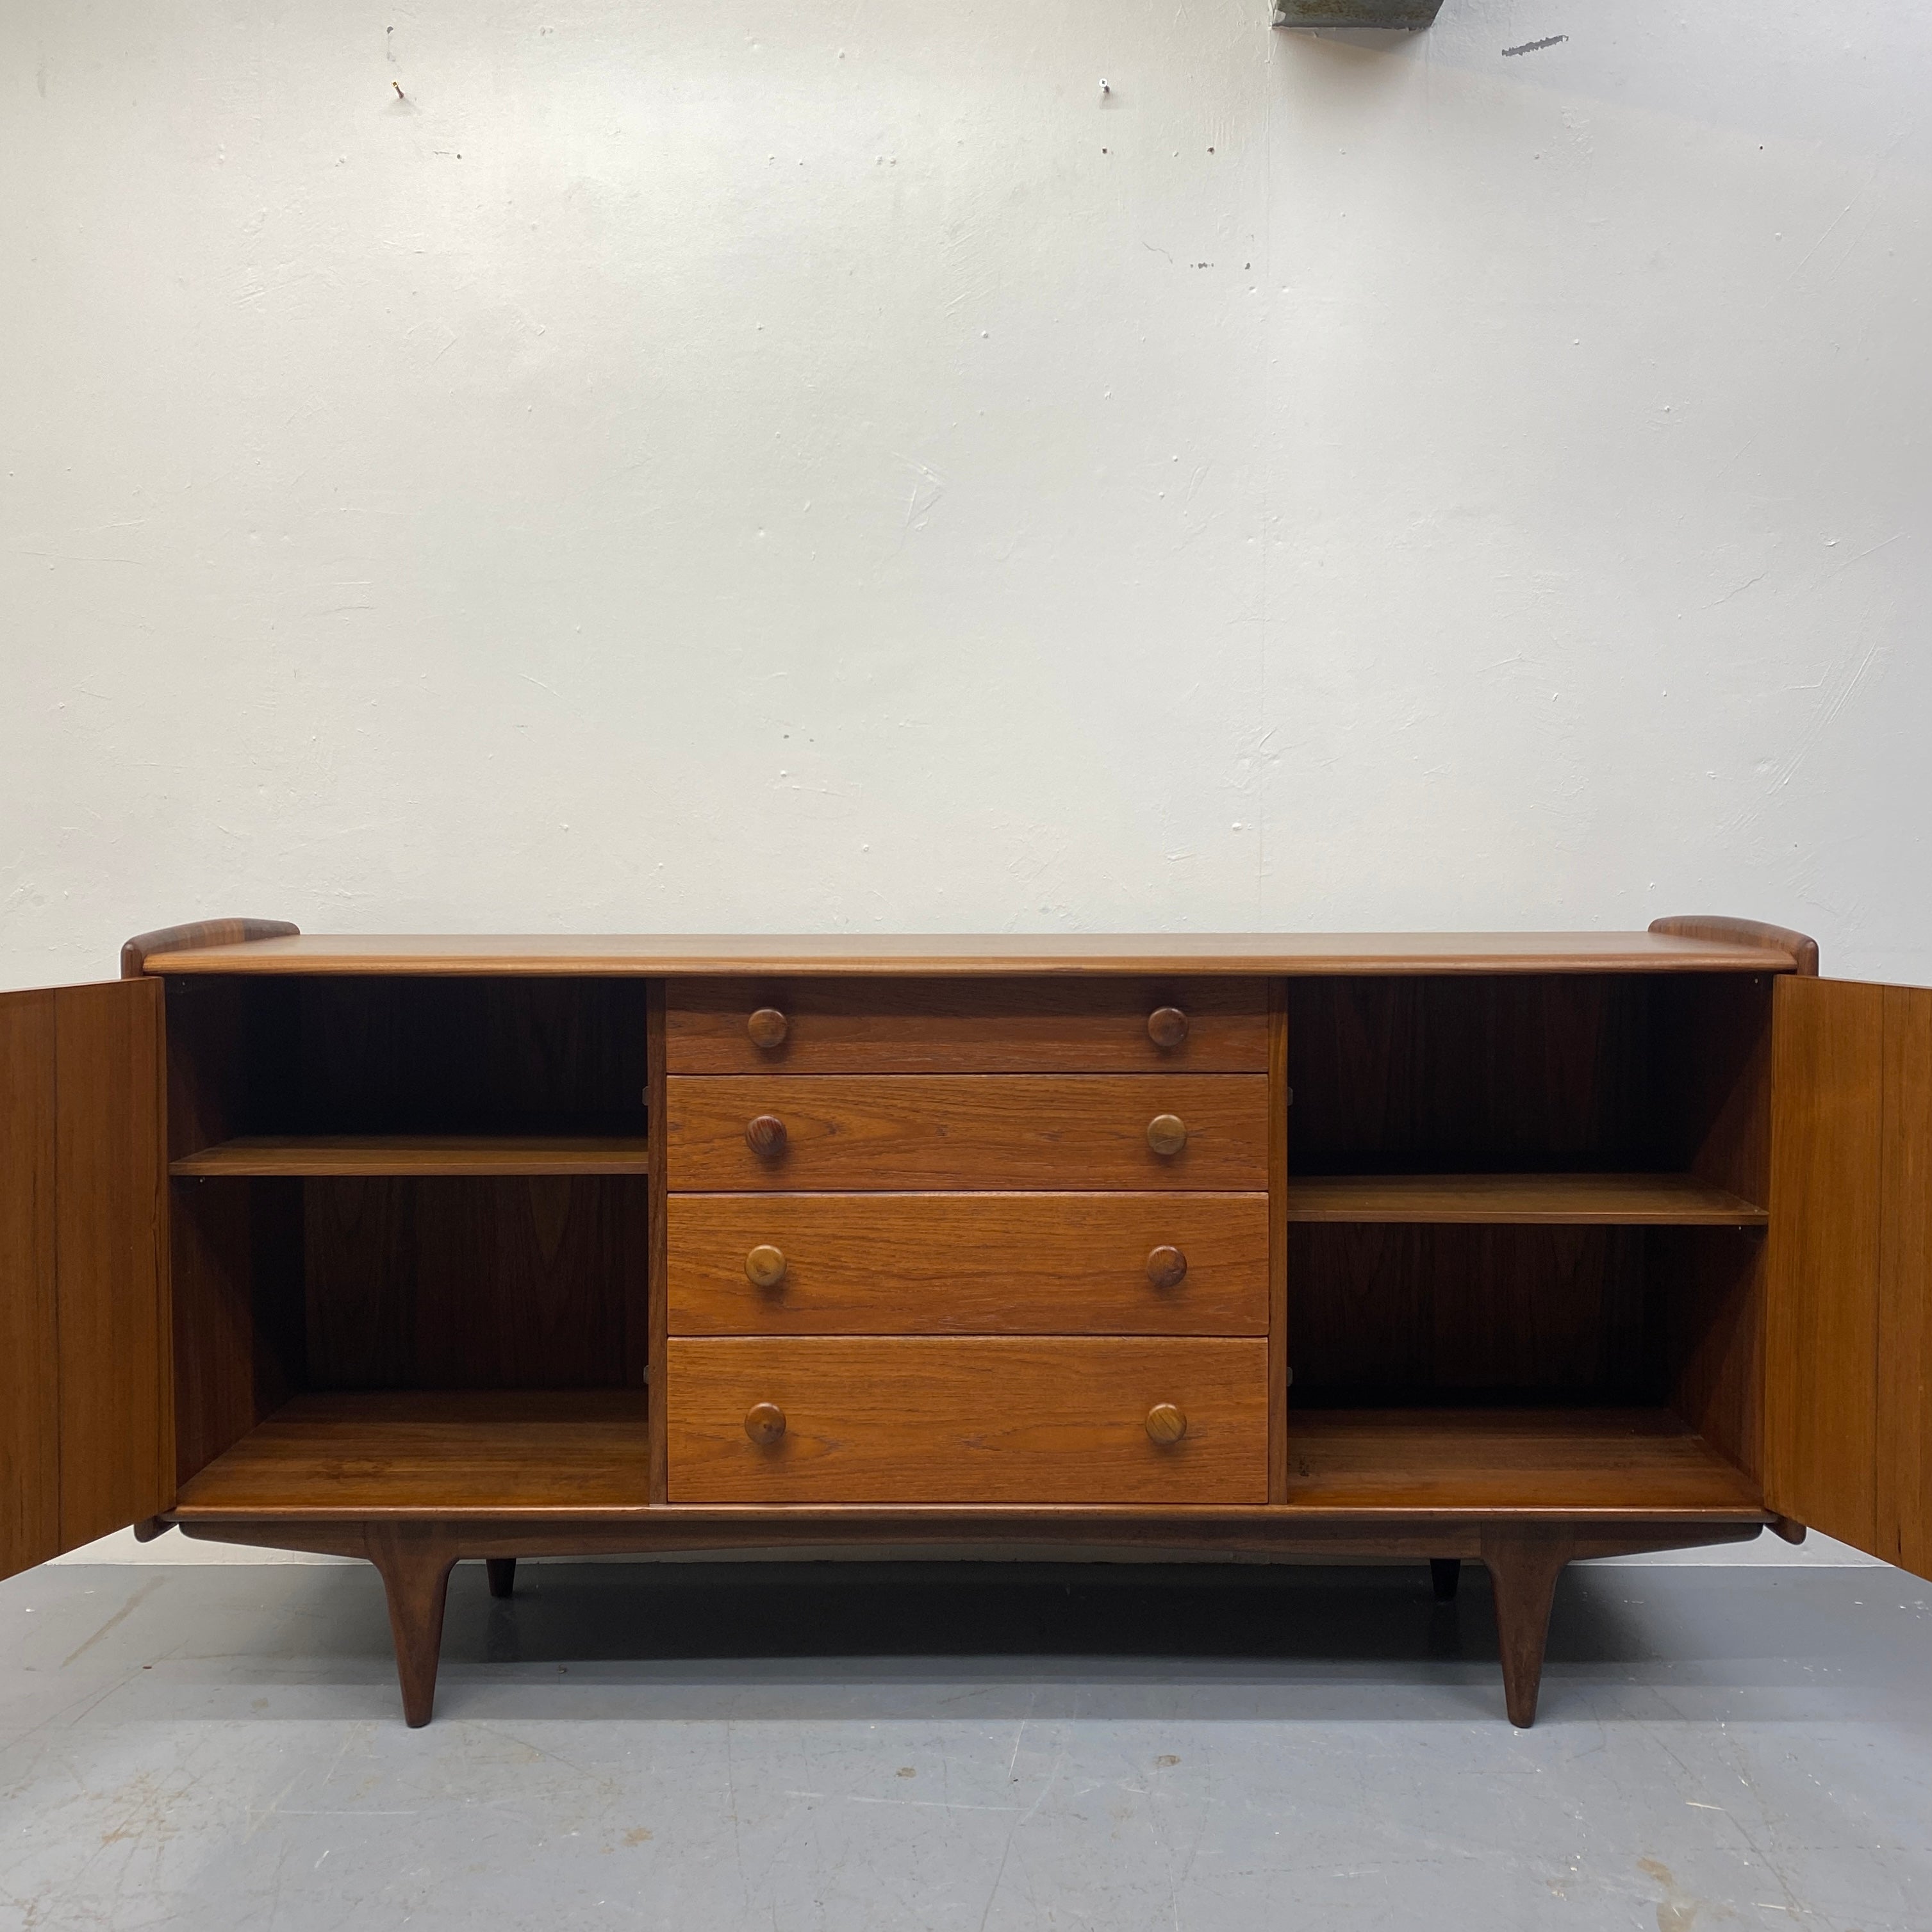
1165,1613
1219,1642
1212,1640
565,1613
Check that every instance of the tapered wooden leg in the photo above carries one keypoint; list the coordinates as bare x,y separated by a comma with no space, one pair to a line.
502,1574
415,1560
1445,1572
1524,1565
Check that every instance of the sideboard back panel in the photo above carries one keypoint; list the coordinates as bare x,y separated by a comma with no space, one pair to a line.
454,1284
395,1055
1428,1314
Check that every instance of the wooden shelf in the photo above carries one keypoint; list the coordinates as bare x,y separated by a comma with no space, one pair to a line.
448,1453
1628,1200
423,1156
1567,1462
580,1452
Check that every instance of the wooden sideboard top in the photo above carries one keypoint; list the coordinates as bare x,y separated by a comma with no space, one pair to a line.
676,955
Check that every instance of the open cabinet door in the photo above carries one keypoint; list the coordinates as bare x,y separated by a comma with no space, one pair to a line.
1848,1326
86,1424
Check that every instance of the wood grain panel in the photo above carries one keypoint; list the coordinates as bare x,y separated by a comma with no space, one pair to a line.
421,1156
240,1333
1386,1314
1903,1499
1458,1075
1710,1078
1280,1099
397,1058
991,1420
1822,1313
968,1264
1002,1131
1706,1335
1556,1461
481,1056
218,1050
1710,1103
680,955
657,1285
116,1371
29,1330
448,1453
476,1284
1605,1200
1085,1025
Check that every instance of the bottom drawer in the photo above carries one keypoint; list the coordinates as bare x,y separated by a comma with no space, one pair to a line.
891,1419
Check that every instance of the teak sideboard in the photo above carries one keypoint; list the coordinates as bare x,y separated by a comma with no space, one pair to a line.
1518,1247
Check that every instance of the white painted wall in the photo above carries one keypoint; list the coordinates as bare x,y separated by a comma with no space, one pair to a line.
739,464
716,464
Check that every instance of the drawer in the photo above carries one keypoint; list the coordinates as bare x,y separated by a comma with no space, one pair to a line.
967,1130
1085,1025
889,1419
968,1264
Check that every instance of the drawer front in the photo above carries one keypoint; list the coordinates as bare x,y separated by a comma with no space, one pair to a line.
968,1264
994,1419
1087,1025
1029,1131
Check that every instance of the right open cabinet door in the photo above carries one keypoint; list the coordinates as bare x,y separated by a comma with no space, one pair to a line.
86,1420
1848,1318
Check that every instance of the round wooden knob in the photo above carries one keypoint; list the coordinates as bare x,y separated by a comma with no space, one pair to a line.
768,1028
1167,1133
1167,1026
1164,1423
765,1266
1167,1268
765,1135
764,1422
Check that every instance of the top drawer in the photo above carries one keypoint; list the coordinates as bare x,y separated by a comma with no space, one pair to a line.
1087,1024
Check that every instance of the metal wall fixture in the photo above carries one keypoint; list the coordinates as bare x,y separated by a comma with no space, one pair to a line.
1412,14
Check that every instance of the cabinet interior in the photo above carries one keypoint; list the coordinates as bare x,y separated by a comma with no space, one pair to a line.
1530,1191
1541,1073
411,1213
403,1054
431,1193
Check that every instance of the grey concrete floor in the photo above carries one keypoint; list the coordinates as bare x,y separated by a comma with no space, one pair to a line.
717,1746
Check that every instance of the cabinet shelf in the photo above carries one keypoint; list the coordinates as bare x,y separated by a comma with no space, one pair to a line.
1601,1200
581,1452
418,1155
444,1452
1565,1461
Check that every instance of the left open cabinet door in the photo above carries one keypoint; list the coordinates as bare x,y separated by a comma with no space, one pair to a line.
86,1411
1847,1376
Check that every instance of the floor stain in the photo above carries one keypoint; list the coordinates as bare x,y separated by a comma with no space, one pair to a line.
140,1596
145,1810
1675,1913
